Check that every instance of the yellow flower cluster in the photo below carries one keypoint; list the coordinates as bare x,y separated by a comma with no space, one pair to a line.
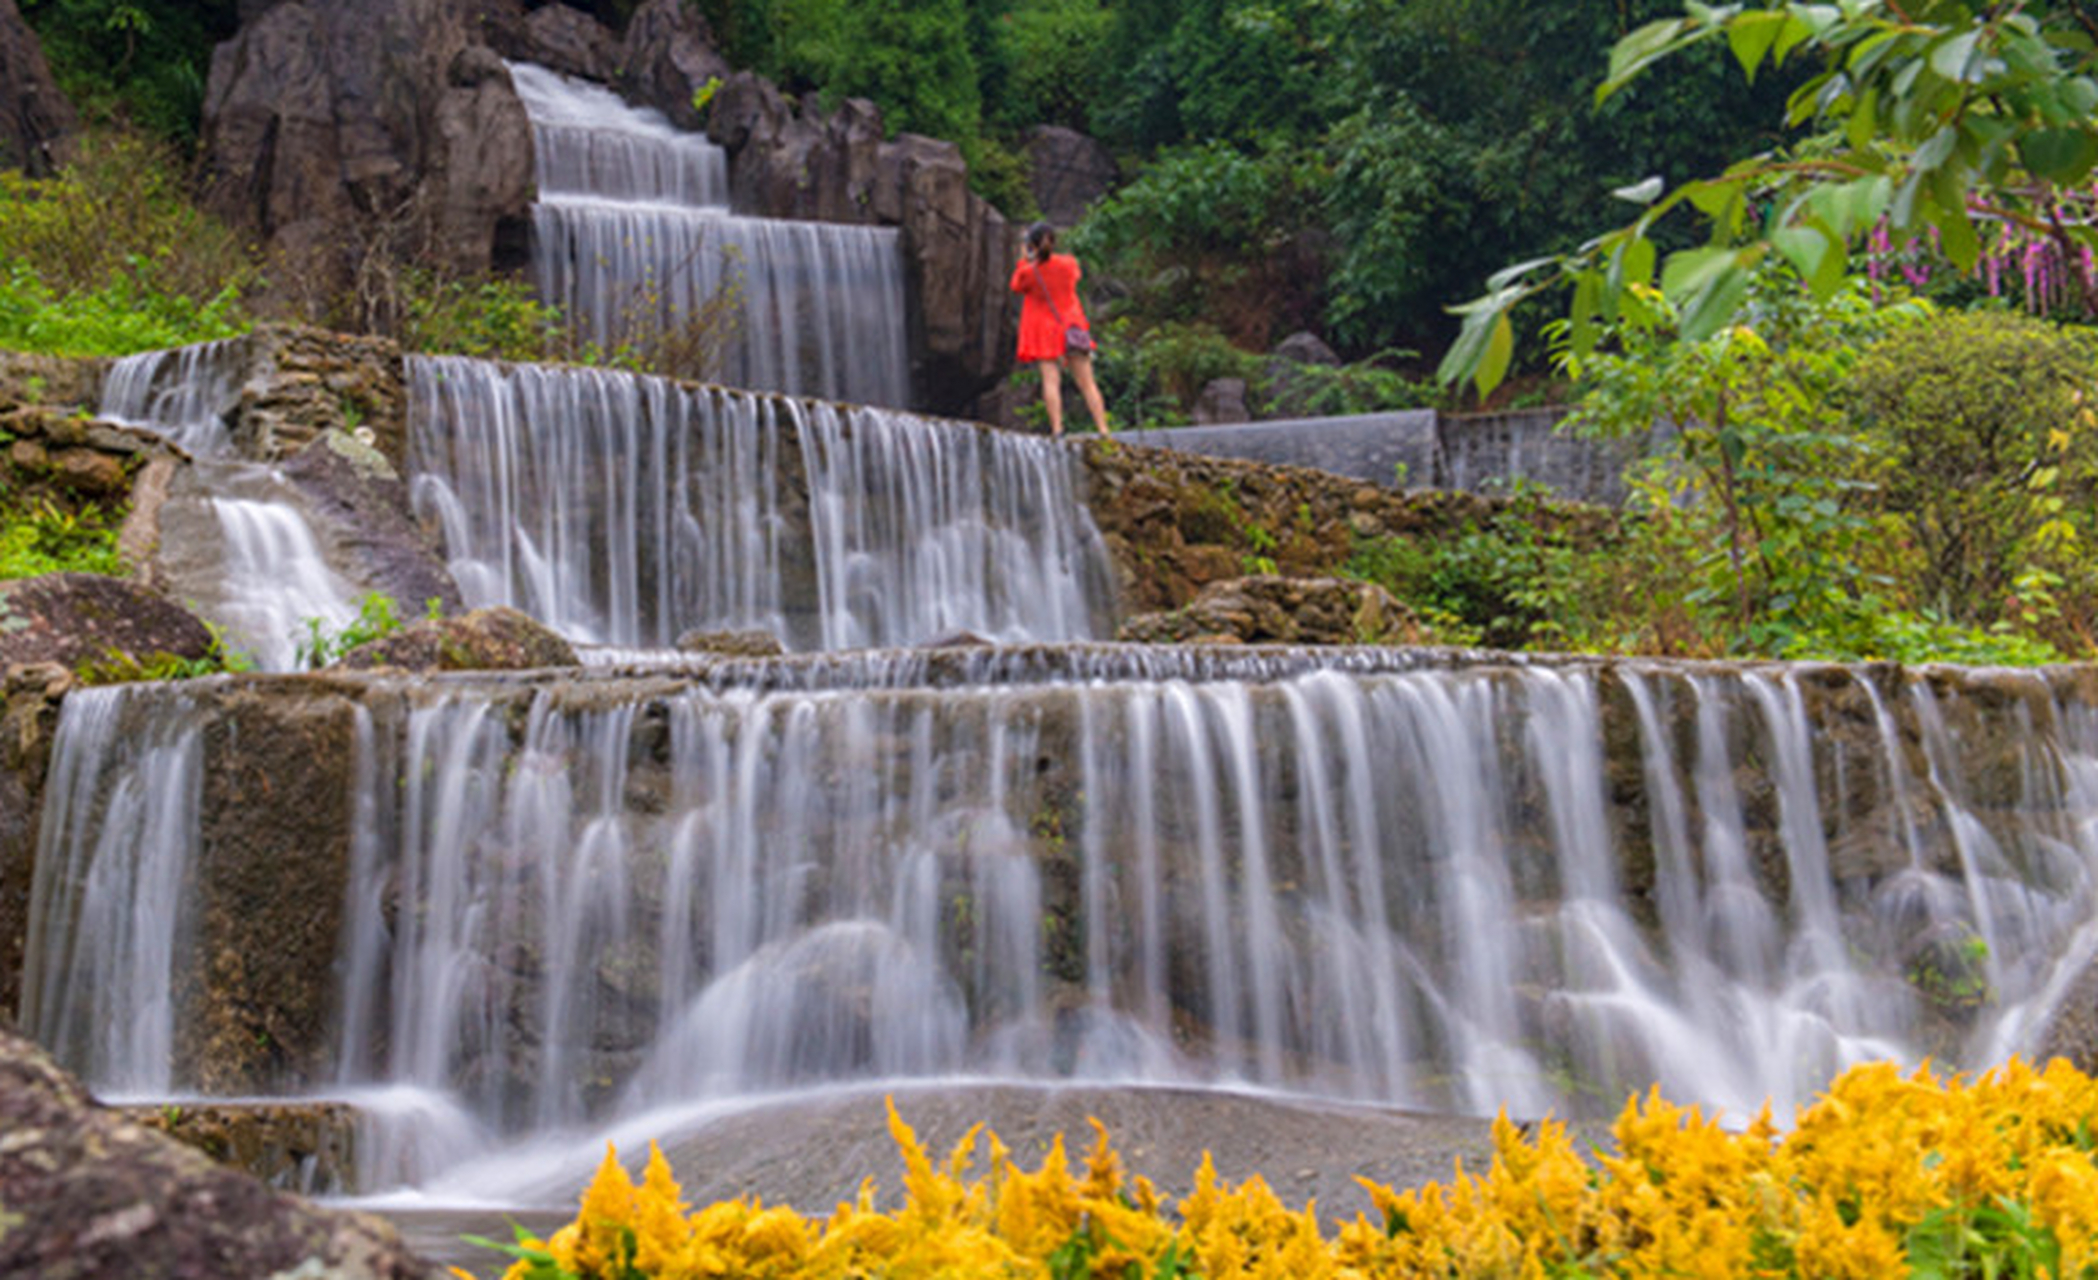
1889,1174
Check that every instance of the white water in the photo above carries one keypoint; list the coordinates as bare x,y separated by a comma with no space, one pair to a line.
238,546
182,393
1401,885
626,510
633,230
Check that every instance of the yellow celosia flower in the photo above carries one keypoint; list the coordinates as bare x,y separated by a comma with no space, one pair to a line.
1881,1159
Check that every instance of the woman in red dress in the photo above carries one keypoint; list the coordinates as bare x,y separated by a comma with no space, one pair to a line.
1047,282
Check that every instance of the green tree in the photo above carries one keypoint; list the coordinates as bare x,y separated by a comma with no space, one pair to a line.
144,61
1925,115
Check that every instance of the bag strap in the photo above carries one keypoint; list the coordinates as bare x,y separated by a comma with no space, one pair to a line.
1036,267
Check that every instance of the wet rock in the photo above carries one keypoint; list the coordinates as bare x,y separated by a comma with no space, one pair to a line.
1067,172
36,121
355,490
91,1194
360,132
76,618
29,700
304,1147
496,639
1270,609
735,644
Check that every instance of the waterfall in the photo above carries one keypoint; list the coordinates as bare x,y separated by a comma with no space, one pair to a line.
1449,885
625,510
182,393
237,541
632,236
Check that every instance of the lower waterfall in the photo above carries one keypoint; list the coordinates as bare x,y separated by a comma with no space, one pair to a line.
1442,881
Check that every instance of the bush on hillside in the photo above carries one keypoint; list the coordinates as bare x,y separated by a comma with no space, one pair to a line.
111,256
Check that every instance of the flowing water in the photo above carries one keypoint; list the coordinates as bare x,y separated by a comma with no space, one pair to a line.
626,510
1368,876
238,544
633,237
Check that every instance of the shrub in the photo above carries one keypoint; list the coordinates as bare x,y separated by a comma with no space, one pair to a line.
111,256
377,617
1990,422
42,537
1887,1175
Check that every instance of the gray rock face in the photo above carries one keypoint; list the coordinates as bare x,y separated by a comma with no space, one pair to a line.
669,54
35,118
1069,171
91,1194
357,132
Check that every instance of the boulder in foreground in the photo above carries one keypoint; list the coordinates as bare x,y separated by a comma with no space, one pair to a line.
90,1194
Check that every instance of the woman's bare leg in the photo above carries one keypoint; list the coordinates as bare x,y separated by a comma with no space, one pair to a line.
1053,396
1089,390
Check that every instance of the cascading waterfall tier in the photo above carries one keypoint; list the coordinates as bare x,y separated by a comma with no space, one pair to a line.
633,235
626,510
1435,881
238,543
182,393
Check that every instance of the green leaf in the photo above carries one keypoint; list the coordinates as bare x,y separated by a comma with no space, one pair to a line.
1751,35
1718,301
1634,53
1864,119
1956,235
1691,270
1500,349
1645,192
1507,275
2061,156
1806,248
1954,57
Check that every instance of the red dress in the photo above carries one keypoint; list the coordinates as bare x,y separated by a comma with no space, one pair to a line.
1041,336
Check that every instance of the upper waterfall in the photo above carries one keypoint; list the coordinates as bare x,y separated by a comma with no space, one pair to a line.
633,235
625,510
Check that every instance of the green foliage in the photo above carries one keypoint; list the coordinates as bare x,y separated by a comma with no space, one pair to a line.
911,56
1924,115
119,667
494,317
1511,584
1990,420
111,256
378,616
142,61
43,537
1762,491
1057,55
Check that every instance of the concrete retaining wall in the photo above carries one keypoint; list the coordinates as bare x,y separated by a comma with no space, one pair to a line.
1425,449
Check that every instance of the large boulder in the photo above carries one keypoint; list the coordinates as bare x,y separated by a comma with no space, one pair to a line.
76,619
1067,172
667,57
91,1194
496,639
351,134
36,121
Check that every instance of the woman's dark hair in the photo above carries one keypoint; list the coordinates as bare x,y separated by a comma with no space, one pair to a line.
1041,240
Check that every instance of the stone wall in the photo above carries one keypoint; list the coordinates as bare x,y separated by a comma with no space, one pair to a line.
1177,521
1425,449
